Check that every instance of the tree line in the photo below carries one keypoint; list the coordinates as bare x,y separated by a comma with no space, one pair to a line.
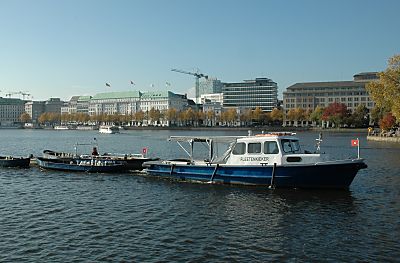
385,92
336,113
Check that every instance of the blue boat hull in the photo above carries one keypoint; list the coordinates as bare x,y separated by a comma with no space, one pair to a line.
334,175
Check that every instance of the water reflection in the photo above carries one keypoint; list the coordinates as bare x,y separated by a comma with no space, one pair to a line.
59,216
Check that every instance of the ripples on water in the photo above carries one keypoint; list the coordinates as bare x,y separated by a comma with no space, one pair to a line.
61,217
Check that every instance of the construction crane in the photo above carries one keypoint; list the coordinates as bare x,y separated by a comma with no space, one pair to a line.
198,76
24,94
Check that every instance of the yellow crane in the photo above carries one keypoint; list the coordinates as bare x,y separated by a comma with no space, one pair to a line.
197,76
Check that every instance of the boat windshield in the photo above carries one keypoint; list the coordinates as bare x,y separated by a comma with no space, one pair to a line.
290,146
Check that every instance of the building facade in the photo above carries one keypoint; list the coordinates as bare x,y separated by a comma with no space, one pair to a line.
162,101
309,95
10,111
34,109
210,85
212,97
53,105
125,103
82,104
130,102
250,94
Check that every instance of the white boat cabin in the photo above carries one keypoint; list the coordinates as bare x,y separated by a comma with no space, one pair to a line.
282,148
270,148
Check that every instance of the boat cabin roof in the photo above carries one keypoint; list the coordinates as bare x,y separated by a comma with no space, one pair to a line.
258,137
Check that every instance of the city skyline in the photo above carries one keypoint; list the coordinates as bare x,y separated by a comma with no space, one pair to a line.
66,48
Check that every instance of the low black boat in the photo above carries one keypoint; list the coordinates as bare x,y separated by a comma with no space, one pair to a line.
131,161
10,161
82,165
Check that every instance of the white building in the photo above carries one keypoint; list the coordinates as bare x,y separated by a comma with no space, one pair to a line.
125,103
212,97
162,101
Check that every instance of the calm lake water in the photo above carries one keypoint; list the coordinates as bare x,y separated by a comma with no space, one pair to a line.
50,216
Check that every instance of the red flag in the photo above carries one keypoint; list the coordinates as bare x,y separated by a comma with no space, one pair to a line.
144,150
354,142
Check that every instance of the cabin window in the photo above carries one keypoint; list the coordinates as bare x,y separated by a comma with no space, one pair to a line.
296,145
290,146
254,148
240,148
271,148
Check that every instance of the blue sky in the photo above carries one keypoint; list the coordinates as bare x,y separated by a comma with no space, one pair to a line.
73,47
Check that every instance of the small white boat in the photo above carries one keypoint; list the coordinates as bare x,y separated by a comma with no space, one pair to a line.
61,127
108,129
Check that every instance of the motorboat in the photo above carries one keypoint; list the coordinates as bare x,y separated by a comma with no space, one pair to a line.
11,161
130,161
81,165
269,159
108,129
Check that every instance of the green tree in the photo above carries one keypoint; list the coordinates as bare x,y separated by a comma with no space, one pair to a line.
386,91
378,112
316,115
359,118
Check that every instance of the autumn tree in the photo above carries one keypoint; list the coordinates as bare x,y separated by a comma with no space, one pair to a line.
276,115
258,114
386,91
154,115
171,115
231,116
291,115
25,117
387,122
210,116
139,116
335,113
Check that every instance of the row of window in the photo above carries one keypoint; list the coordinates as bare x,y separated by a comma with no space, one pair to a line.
288,146
305,106
326,94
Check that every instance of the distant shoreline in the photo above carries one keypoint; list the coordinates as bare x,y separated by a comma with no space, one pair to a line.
219,128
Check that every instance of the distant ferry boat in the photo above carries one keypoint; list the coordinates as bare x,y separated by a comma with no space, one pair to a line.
108,129
86,128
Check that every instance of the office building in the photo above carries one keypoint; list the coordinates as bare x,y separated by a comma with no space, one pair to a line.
250,94
309,95
210,85
10,111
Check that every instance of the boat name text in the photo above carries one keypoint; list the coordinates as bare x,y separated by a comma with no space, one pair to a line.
254,159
